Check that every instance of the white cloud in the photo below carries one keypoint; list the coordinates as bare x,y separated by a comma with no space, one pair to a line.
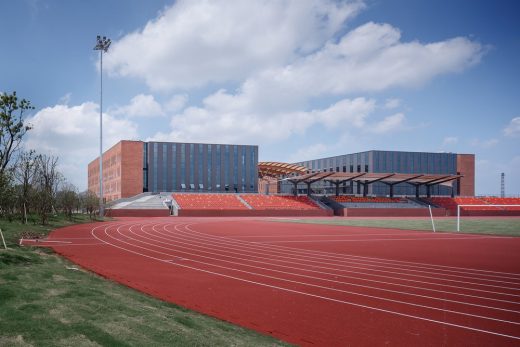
389,124
193,43
72,133
310,152
140,106
513,128
177,102
392,103
450,140
228,118
65,99
484,143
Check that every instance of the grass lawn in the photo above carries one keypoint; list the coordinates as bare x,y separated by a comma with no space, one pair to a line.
47,301
492,226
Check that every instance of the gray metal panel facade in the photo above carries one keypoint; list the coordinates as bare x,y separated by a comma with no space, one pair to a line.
197,167
384,161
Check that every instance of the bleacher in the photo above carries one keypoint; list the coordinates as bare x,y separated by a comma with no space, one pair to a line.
279,202
366,199
349,201
452,203
194,201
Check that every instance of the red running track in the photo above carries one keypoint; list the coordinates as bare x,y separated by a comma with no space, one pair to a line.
315,285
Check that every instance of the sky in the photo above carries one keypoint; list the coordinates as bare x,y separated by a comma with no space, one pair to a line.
301,79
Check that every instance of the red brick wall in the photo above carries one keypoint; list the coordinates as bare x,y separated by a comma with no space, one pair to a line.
122,171
466,167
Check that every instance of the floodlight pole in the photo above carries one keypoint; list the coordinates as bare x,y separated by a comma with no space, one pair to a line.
101,45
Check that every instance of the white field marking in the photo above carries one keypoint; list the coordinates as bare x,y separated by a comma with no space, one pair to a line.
296,274
285,249
383,267
367,279
305,293
372,240
79,244
234,250
377,258
303,235
397,278
301,283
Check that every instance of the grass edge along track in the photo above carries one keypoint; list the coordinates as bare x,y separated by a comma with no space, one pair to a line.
45,300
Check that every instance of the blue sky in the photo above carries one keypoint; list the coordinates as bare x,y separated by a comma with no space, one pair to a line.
302,79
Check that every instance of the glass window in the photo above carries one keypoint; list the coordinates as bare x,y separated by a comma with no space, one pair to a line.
226,166
209,161
200,172
165,166
174,167
243,162
183,165
217,169
155,167
235,165
192,164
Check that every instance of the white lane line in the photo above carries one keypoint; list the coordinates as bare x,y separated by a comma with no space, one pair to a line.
285,250
175,244
309,294
176,241
371,259
297,282
392,239
387,271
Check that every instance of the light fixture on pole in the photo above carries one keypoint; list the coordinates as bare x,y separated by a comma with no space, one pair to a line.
102,46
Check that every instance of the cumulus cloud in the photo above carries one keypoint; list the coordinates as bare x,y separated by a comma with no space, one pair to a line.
310,152
176,102
225,117
193,43
513,128
140,106
450,140
72,133
388,124
392,103
484,143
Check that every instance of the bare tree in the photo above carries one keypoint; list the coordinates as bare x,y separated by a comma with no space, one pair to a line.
46,182
67,198
12,126
24,173
90,202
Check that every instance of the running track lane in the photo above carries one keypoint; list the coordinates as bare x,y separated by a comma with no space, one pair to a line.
315,285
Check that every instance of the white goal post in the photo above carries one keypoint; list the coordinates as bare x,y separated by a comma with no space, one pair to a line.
488,205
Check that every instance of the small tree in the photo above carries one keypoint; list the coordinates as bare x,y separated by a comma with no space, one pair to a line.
7,195
90,202
67,198
12,126
47,180
24,173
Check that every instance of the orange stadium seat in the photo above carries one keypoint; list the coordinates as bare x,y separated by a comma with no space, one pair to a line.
209,202
279,202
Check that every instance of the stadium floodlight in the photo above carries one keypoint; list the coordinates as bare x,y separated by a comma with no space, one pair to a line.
102,45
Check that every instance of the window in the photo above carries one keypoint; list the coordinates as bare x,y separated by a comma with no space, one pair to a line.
218,166
192,163
209,161
226,166
183,165
359,168
174,167
165,167
351,168
235,165
200,171
366,168
155,150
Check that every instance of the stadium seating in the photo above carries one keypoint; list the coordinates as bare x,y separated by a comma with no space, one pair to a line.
452,203
365,199
209,202
504,201
279,202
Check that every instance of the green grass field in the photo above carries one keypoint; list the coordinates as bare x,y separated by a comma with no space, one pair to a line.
491,226
47,301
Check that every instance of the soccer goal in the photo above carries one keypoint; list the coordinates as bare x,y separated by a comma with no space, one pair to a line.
487,205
